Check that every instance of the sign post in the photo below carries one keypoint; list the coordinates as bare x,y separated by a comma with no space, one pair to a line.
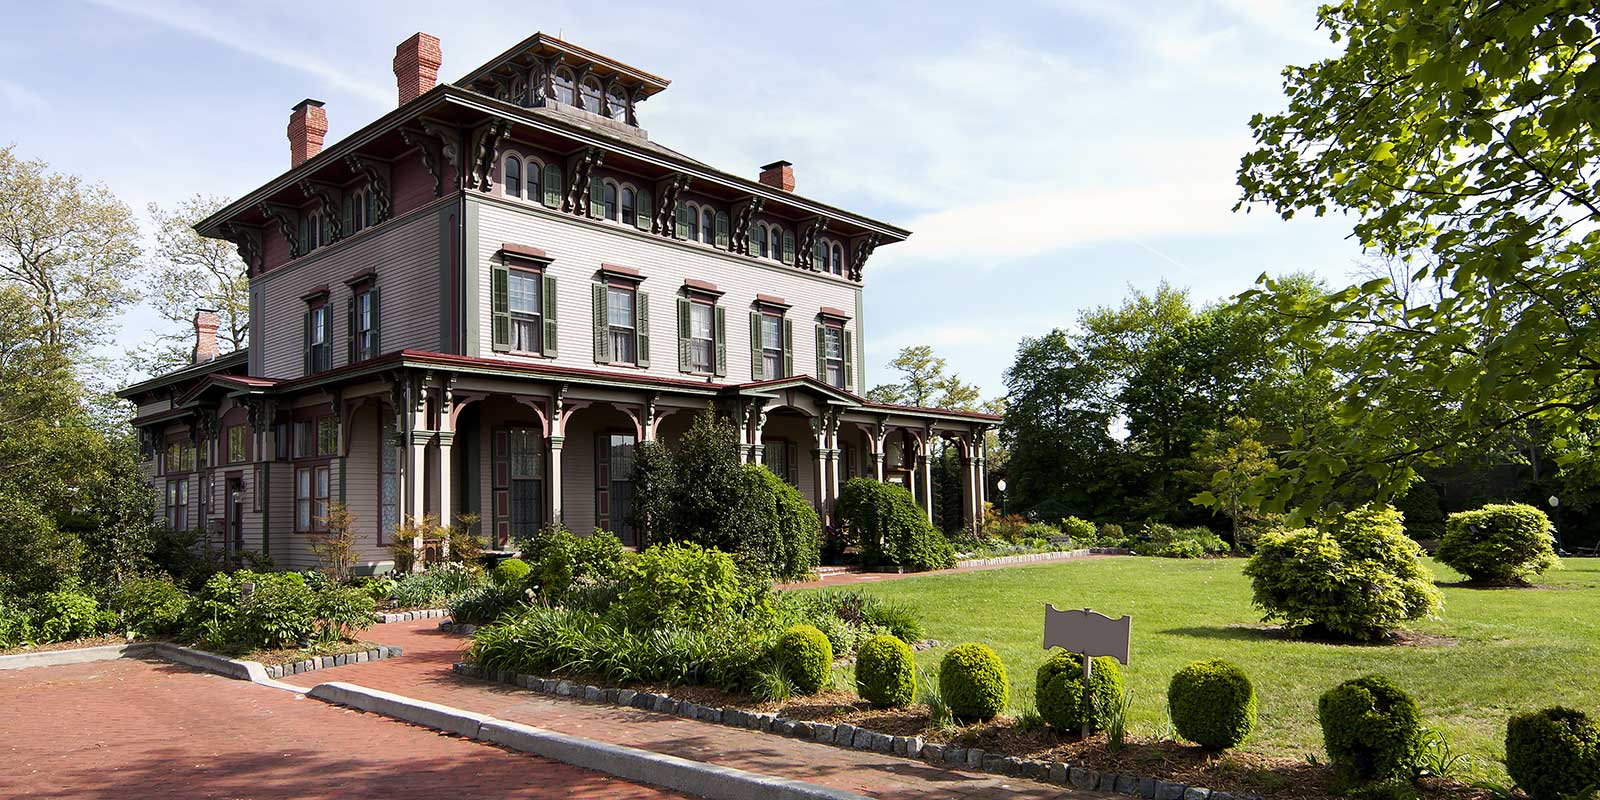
1089,634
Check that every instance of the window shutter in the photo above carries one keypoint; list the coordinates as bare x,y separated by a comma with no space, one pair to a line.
792,457
377,327
305,342
849,363
683,221
684,360
757,362
641,326
822,354
788,349
722,229
547,342
350,330
501,513
642,211
347,215
552,185
721,332
602,332
597,205
500,307
788,247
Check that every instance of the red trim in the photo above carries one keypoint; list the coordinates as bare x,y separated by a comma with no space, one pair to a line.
361,277
318,293
622,272
836,313
701,286
768,299
523,251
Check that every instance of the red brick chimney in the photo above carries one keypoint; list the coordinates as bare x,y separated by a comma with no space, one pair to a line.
206,322
307,125
778,175
416,65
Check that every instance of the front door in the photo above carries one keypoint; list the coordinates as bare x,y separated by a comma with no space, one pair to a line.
235,513
614,485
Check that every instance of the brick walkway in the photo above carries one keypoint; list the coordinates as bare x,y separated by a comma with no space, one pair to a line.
854,576
424,673
115,730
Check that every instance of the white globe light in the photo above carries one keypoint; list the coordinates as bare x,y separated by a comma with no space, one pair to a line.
1555,502
1001,485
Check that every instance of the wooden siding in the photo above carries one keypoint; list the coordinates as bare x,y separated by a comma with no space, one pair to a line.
361,483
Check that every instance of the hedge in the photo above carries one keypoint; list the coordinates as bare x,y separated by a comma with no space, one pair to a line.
1371,728
890,529
1058,691
806,657
1553,753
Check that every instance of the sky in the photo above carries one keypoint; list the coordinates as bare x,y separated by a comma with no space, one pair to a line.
1047,156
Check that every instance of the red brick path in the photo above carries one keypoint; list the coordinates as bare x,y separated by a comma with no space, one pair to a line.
854,576
131,729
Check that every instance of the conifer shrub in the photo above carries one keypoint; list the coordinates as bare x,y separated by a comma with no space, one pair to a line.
972,681
1059,695
1553,753
1212,703
886,672
1499,543
806,657
1371,728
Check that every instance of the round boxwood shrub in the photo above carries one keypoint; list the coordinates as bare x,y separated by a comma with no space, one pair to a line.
1212,703
890,529
1553,753
510,572
806,657
972,681
1358,577
1058,691
886,672
1371,728
1499,543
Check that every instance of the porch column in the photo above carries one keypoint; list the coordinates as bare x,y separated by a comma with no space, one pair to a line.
822,475
416,471
447,505
968,497
925,476
552,472
983,471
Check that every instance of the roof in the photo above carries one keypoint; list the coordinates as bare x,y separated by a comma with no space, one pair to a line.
235,358
543,44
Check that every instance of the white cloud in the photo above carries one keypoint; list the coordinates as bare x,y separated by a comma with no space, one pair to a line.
20,97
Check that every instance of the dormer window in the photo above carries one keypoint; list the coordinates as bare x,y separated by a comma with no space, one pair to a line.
838,259
591,95
617,105
566,87
694,223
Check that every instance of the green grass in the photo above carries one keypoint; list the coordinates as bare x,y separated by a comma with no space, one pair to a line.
1507,650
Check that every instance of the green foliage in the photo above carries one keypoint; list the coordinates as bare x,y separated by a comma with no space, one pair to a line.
889,528
1212,703
886,672
655,479
1507,543
279,613
681,585
485,604
1422,511
1110,535
924,383
1358,577
780,531
559,559
150,605
510,571
342,611
35,555
972,682
1081,531
434,585
1059,695
68,614
379,588
806,657
1229,462
1371,728
856,609
281,610
16,623
1554,753
1166,541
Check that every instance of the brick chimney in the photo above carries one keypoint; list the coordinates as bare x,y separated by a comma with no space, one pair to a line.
206,322
778,175
416,65
308,123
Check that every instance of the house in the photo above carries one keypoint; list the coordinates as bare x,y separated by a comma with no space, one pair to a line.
479,303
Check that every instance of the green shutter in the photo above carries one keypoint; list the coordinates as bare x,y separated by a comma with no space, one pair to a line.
305,342
347,215
642,211
641,326
849,364
722,229
822,354
597,205
377,327
552,185
720,331
788,247
350,330
684,361
757,363
602,334
500,307
548,341
788,349
683,221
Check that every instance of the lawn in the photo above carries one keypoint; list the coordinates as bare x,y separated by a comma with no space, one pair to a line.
1494,652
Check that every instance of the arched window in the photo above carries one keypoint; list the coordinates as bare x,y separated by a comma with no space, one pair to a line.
838,259
760,247
819,255
775,233
513,176
694,223
358,212
316,230
609,202
617,104
708,226
535,173
628,217
591,95
566,87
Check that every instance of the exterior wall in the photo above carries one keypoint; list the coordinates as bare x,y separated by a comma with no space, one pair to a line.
360,486
579,246
796,431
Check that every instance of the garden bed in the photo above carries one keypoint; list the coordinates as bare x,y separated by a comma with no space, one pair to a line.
73,644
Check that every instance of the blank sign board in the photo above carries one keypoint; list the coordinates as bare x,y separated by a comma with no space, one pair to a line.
1087,632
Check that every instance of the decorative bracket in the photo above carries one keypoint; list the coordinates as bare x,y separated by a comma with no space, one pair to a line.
864,245
806,247
288,220
377,175
438,145
668,190
576,198
327,198
485,151
247,240
744,212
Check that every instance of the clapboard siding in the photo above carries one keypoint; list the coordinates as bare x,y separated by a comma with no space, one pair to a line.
405,257
578,247
361,483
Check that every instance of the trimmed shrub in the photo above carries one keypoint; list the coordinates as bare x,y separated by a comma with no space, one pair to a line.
972,681
279,613
558,559
1553,753
1359,577
511,571
806,658
1058,691
1212,703
1499,543
1371,728
150,606
889,528
1081,530
886,672
1110,535
683,585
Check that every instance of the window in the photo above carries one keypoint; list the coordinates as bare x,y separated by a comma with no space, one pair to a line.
838,260
513,176
619,311
364,323
179,457
708,226
522,294
694,223
317,349
819,255
617,104
177,510
591,95
388,479
772,346
833,355
609,202
775,456
358,212
526,456
311,486
702,338
304,438
236,444
566,88
776,235
760,247
327,436
628,217
535,177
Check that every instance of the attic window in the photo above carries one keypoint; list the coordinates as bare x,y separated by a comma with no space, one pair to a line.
591,95
566,87
617,105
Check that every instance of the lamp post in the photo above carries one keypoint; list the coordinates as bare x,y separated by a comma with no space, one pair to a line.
1561,547
1000,487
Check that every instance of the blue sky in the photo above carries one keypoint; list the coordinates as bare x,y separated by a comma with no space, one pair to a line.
1046,155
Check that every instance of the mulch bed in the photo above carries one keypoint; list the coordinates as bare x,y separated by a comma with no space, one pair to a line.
75,644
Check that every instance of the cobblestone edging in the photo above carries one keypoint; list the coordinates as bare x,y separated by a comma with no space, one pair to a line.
458,628
380,652
407,616
850,736
1053,555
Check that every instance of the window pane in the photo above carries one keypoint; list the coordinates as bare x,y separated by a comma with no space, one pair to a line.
618,106
565,90
525,455
609,200
522,292
622,345
319,325
627,207
700,320
831,339
524,335
772,332
619,303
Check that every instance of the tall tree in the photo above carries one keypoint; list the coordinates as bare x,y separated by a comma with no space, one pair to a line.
1228,461
1057,424
924,382
72,248
1464,132
191,272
